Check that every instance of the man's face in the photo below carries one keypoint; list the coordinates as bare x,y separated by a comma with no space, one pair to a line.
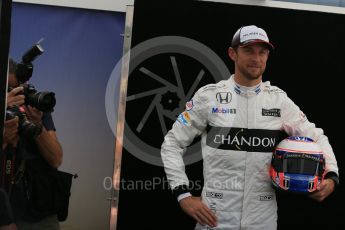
251,60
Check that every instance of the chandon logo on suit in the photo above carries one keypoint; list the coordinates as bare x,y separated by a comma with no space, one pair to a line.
224,97
241,139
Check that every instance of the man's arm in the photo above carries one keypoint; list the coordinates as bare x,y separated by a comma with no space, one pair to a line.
10,133
11,126
50,147
47,142
297,124
189,124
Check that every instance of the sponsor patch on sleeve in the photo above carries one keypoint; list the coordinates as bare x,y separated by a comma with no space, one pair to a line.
189,105
184,118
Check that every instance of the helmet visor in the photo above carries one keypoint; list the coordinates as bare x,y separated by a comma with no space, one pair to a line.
301,164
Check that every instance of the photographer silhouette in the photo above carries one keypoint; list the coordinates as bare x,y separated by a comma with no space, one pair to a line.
32,148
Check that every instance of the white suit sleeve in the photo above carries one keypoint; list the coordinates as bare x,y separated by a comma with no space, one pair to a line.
297,124
188,125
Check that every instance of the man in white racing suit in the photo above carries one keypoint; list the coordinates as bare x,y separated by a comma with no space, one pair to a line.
241,120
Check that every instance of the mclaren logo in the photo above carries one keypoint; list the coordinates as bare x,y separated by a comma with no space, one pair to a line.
224,97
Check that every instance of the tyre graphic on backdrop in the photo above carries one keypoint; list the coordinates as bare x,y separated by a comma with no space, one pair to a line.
164,73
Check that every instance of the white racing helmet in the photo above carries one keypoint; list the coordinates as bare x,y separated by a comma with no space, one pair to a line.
298,165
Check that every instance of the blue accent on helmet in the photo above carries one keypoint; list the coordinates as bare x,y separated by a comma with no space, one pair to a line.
299,182
300,138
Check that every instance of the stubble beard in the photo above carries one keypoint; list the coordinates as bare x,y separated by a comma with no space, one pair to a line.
250,76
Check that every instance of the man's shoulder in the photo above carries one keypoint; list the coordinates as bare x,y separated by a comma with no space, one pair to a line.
271,89
214,87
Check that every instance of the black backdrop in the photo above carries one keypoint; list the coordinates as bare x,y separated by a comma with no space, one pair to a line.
307,63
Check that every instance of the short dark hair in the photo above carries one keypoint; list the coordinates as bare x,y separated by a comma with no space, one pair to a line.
12,66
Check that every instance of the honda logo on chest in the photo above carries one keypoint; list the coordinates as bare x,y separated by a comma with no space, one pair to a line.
224,97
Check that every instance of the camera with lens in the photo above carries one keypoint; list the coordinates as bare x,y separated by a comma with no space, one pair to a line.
26,129
44,101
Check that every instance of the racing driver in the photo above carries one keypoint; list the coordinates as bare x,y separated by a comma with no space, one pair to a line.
240,121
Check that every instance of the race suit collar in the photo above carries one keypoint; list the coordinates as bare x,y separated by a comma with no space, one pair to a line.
244,90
